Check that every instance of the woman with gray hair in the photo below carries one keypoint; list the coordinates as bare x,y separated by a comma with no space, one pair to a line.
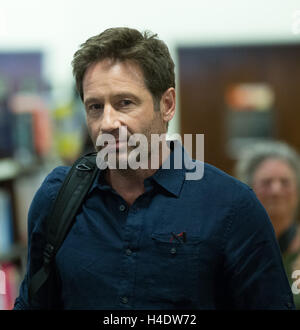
272,169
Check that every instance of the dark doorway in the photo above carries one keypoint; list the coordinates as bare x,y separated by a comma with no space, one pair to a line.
210,76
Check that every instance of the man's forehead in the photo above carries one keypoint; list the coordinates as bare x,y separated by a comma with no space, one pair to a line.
126,72
115,67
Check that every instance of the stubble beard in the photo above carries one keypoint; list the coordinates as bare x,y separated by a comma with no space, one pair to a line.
122,156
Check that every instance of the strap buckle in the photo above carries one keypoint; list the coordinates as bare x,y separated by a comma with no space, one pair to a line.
48,253
83,167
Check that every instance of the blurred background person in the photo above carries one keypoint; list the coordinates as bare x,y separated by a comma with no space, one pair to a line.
272,169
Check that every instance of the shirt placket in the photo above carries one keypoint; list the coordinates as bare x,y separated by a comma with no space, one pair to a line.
132,233
132,230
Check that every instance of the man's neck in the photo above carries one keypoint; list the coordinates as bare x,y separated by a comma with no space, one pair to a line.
129,183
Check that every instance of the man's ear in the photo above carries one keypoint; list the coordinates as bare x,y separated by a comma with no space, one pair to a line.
168,104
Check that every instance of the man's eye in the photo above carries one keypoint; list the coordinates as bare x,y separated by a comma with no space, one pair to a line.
94,107
125,103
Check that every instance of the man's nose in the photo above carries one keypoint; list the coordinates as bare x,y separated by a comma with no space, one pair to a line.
110,119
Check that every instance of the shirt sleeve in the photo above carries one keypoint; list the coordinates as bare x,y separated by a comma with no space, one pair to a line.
254,269
39,208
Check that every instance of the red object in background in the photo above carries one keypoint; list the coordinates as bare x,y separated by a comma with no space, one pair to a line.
10,276
42,131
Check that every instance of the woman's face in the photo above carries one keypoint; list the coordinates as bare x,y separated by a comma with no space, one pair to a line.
275,185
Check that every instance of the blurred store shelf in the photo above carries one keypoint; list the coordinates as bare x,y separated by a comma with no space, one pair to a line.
9,169
18,251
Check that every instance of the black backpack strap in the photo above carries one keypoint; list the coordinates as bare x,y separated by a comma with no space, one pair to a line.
69,199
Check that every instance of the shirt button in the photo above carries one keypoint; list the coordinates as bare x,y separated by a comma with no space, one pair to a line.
128,252
124,300
122,207
173,250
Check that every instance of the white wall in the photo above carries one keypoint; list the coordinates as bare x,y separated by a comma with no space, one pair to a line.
58,27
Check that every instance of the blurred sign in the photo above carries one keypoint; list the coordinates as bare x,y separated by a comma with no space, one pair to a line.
249,97
249,115
21,71
24,129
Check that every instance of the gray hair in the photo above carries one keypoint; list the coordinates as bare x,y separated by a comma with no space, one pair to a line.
255,154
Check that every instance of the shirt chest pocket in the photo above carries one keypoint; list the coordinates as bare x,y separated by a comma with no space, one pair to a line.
168,245
173,268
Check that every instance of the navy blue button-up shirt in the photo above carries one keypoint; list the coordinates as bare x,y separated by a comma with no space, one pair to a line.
195,244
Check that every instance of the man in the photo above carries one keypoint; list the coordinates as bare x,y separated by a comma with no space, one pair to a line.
148,238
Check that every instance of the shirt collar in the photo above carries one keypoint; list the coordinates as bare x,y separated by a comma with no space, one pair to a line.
100,182
170,176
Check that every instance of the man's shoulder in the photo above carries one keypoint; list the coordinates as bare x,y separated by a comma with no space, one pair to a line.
52,182
45,196
54,179
219,186
230,189
215,177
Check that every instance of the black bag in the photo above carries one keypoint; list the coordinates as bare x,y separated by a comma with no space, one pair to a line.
69,199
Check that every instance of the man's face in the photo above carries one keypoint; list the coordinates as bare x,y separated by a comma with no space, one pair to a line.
115,95
275,184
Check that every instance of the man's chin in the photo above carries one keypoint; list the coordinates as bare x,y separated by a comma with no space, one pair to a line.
117,160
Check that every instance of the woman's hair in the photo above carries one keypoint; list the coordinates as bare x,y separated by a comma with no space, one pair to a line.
255,154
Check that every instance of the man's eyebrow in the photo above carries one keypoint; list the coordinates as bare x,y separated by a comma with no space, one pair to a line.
126,94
